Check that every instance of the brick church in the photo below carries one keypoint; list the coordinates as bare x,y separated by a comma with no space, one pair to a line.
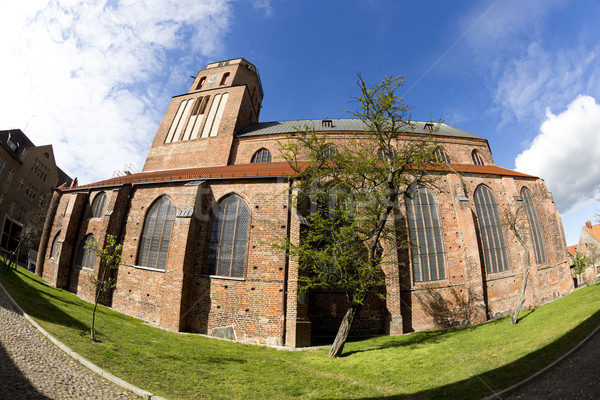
198,222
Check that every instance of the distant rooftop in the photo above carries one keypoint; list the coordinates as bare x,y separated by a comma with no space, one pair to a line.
344,125
15,141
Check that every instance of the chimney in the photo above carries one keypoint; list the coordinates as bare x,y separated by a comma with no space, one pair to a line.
588,224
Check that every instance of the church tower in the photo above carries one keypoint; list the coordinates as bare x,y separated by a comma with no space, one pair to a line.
198,127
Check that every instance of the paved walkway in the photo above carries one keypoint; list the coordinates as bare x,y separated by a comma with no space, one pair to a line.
33,368
576,377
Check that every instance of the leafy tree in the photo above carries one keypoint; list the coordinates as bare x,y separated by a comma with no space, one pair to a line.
581,262
33,223
110,259
352,190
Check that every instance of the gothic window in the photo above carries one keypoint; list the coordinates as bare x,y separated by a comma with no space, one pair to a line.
215,113
492,239
98,205
85,255
54,248
534,224
477,158
261,156
201,83
156,235
425,232
441,156
228,236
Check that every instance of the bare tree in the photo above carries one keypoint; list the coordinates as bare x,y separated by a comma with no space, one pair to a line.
514,222
110,259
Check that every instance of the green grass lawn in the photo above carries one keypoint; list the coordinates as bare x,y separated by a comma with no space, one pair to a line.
461,363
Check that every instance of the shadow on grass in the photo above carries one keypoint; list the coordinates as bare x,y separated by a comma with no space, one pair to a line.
410,340
493,381
22,285
524,314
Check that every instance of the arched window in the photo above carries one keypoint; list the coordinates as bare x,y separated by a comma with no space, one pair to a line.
534,224
441,156
330,152
86,255
54,248
425,232
261,156
98,205
154,245
229,233
477,158
224,78
201,83
492,238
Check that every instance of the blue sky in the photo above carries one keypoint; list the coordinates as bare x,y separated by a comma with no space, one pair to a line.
94,78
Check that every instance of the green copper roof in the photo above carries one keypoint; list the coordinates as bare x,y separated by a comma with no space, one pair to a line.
341,125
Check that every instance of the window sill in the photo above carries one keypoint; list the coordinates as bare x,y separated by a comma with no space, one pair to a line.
225,278
427,285
509,273
148,268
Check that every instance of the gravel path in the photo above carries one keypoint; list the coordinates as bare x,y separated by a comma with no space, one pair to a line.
576,377
33,368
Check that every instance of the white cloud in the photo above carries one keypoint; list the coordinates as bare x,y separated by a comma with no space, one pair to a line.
565,153
93,79
506,24
264,5
527,65
540,78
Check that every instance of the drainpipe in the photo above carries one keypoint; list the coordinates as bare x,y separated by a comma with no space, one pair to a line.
286,264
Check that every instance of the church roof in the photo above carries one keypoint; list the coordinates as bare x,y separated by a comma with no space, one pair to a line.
265,170
343,125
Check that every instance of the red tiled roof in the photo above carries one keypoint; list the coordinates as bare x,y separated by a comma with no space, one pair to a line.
479,169
572,250
263,170
188,174
594,230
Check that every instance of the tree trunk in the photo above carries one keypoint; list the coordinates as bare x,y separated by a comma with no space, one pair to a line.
99,289
521,299
342,335
92,330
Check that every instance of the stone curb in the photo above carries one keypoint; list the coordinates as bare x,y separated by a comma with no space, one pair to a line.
516,386
106,375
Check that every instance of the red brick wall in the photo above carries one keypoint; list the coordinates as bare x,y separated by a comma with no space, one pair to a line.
149,294
459,149
251,305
